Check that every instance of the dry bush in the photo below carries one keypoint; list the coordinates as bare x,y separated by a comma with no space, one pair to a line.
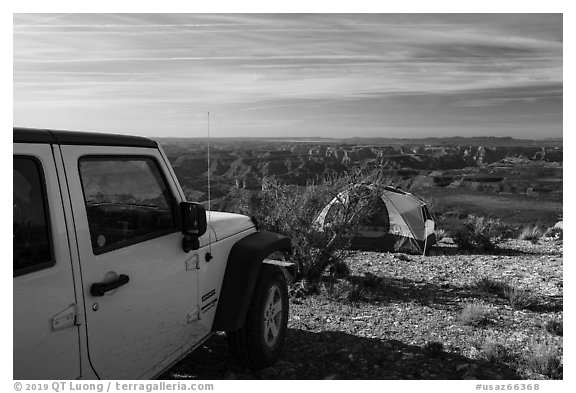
546,360
339,269
476,314
494,287
358,294
440,234
555,326
532,233
495,352
344,291
292,210
337,289
482,234
303,288
518,298
554,232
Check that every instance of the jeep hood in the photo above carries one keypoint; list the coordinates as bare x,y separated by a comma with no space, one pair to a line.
228,224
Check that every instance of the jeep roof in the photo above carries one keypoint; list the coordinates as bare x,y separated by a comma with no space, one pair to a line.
59,137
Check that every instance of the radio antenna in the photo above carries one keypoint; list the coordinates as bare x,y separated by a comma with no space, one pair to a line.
209,255
208,144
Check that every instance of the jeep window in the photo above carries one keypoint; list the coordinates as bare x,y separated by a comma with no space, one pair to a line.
30,232
127,201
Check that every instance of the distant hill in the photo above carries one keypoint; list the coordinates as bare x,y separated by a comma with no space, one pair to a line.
487,141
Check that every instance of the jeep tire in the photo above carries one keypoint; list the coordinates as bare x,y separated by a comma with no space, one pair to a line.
259,342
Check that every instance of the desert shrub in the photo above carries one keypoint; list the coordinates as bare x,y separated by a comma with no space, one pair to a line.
482,234
358,294
353,289
370,281
554,326
344,290
518,298
546,360
336,289
303,288
476,314
449,224
495,352
339,269
292,210
440,234
554,232
532,233
494,287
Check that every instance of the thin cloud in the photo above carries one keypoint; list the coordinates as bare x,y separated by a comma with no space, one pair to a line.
409,69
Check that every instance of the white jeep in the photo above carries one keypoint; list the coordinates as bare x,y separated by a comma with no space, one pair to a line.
117,276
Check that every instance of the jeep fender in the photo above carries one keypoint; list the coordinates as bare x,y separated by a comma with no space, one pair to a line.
242,269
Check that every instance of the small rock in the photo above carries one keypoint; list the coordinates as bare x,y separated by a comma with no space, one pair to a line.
331,376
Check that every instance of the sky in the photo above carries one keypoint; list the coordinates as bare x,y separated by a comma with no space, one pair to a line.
291,75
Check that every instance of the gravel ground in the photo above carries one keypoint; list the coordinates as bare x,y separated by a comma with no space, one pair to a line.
400,317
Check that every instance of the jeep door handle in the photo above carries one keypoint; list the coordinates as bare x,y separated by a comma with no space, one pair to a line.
100,288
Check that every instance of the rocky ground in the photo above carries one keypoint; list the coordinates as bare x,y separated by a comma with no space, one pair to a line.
448,315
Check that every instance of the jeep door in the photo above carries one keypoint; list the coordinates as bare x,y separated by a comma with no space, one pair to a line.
140,288
46,335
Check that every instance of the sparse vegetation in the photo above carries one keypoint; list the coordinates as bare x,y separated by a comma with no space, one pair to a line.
555,326
338,290
444,315
482,234
476,314
440,234
546,360
532,233
291,210
555,232
303,288
358,294
353,289
339,269
517,298
491,286
494,351
378,310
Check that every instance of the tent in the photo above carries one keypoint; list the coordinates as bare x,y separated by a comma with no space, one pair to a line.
399,221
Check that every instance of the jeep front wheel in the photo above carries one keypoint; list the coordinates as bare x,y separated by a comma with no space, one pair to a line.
259,342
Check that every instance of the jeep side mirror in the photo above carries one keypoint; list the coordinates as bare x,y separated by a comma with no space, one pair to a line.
192,224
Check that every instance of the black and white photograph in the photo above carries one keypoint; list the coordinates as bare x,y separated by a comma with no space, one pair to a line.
288,196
